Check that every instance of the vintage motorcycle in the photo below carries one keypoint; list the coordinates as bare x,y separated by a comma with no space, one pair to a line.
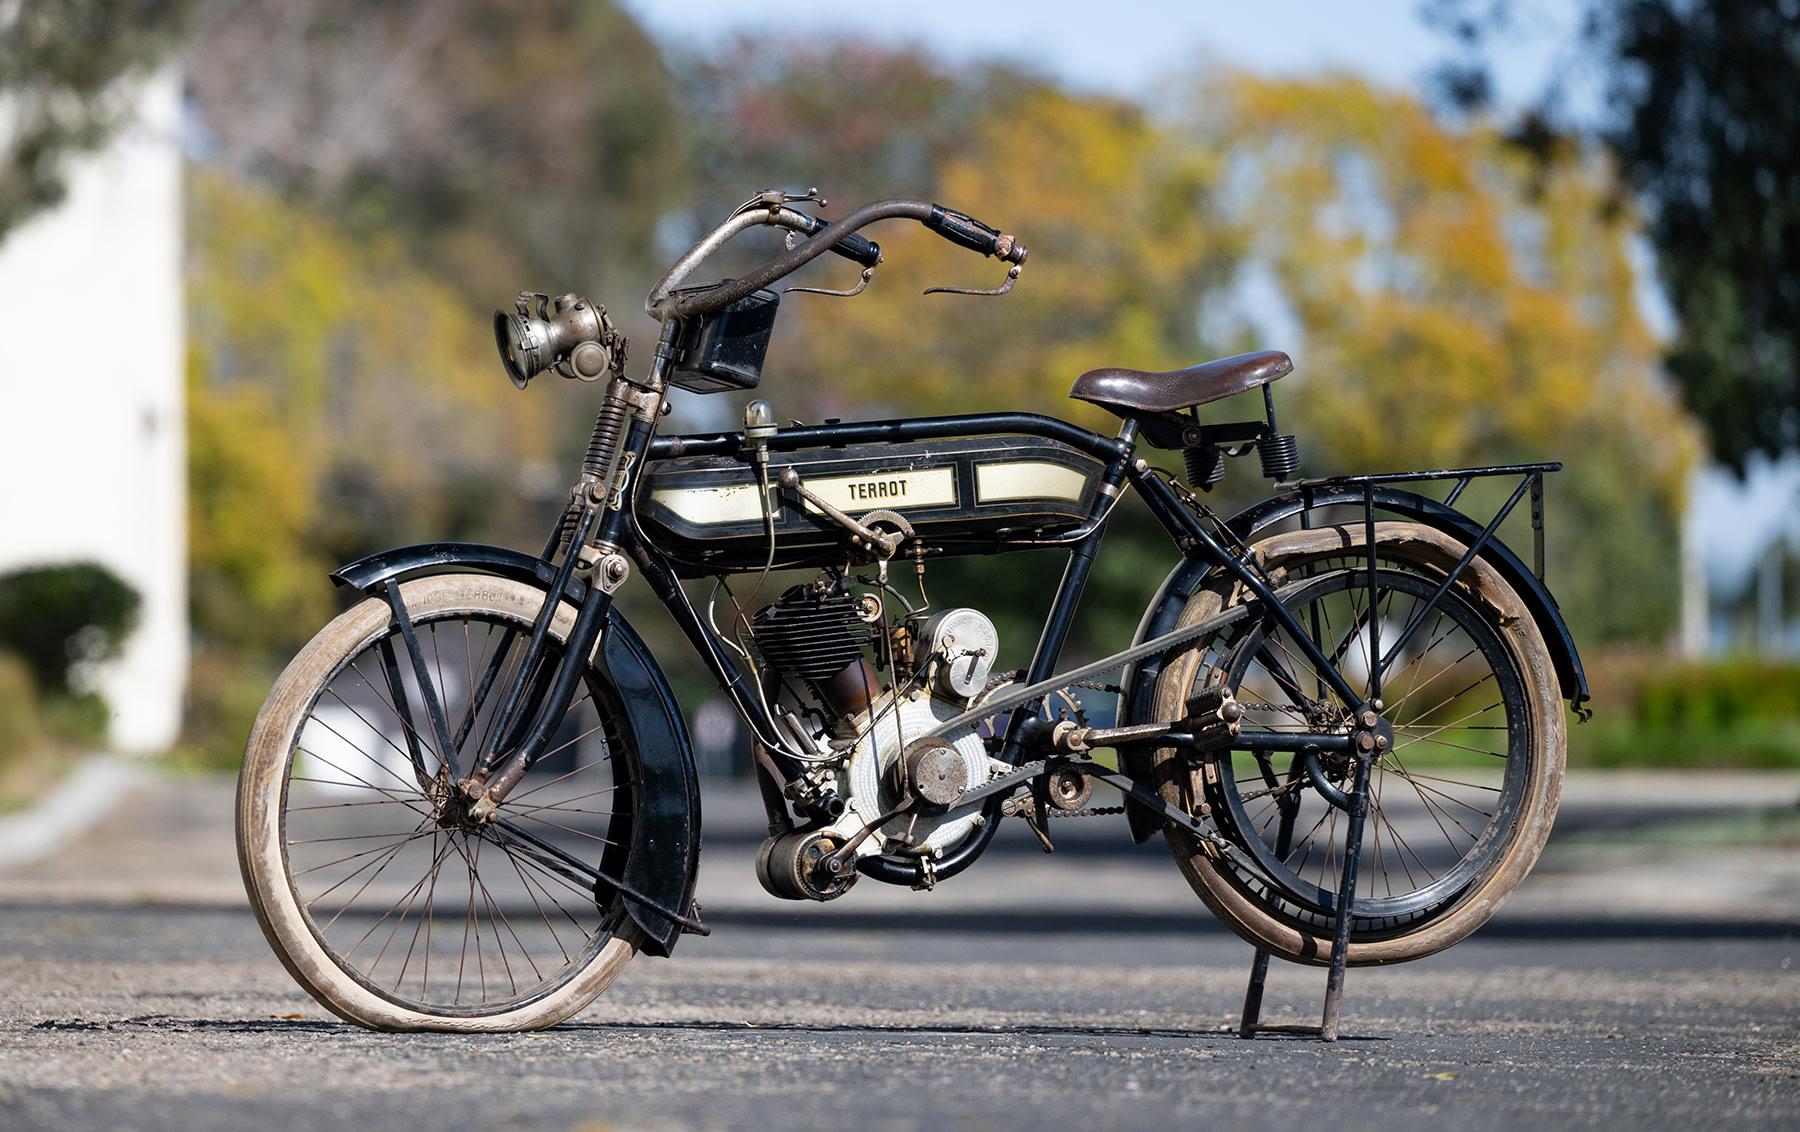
471,799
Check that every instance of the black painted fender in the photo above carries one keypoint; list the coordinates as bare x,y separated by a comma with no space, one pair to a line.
1160,616
665,854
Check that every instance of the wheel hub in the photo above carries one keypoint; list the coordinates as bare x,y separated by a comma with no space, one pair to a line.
450,806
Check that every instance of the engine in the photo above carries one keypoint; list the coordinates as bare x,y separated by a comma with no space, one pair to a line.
825,651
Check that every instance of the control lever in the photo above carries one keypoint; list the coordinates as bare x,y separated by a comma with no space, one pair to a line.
882,545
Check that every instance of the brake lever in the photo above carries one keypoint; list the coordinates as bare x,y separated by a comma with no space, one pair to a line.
1000,290
868,274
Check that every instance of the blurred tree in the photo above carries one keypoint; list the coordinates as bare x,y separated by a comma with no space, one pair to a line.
61,62
1709,96
340,402
1704,118
861,122
1462,297
379,174
1462,302
512,144
1126,244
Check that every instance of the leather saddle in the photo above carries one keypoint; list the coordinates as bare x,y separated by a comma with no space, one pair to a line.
1134,392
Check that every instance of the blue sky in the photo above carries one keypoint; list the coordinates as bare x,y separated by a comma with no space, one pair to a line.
1130,47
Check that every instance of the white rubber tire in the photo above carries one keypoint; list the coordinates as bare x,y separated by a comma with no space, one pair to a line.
1250,917
262,786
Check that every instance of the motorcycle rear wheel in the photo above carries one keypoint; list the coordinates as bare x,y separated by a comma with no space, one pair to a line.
1478,754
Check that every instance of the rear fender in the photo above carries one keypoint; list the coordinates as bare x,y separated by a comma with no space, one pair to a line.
665,856
1136,702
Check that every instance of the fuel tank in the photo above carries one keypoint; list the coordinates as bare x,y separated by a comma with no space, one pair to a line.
964,496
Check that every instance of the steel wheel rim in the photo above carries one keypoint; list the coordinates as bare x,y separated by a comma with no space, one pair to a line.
339,878
1475,851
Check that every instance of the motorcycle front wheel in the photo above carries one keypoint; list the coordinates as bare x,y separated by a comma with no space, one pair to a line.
371,882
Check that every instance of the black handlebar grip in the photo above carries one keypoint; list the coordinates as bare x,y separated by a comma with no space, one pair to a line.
971,233
965,230
852,247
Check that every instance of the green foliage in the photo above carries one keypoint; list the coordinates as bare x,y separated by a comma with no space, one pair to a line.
1709,117
80,718
225,691
21,731
1720,695
1742,713
1463,303
53,621
55,617
1703,122
60,66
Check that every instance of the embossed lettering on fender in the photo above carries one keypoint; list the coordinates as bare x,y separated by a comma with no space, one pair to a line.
895,491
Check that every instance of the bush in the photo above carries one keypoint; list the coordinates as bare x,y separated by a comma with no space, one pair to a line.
1741,713
55,617
20,731
1721,695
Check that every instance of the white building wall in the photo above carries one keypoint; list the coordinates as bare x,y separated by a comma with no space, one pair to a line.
92,411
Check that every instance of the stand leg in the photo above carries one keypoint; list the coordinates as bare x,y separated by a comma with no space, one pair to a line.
1259,972
1287,805
1340,945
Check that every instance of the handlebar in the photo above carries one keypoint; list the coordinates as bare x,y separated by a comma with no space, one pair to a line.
664,304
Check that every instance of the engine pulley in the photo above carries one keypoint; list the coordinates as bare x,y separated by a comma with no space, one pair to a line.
791,867
935,772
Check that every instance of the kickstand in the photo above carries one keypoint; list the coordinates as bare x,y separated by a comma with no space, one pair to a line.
1327,1029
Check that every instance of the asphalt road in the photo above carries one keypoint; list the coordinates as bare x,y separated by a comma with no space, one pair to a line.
1643,977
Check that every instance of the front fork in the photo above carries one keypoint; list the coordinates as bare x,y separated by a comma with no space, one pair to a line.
596,555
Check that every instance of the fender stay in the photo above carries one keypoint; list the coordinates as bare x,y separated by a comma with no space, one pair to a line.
664,861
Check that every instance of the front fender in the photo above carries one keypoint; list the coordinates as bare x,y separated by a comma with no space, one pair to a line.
665,854
1139,684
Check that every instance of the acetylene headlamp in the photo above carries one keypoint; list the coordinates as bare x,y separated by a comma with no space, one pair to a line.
571,334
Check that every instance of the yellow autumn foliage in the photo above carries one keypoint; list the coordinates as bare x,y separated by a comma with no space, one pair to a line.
1457,302
339,402
1121,241
1461,301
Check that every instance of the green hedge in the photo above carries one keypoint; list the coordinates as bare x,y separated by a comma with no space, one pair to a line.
1742,713
56,616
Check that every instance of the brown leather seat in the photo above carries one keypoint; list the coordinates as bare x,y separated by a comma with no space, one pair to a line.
1127,391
